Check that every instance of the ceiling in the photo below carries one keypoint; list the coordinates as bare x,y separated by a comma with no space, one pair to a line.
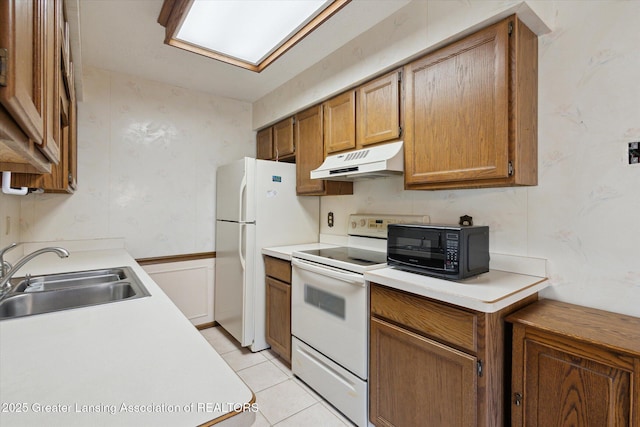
124,36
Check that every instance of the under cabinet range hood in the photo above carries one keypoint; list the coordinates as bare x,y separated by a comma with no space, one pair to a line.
375,162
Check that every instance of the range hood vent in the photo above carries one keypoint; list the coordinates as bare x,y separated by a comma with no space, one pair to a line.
375,162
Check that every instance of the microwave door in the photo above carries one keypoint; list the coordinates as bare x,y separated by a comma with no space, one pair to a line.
419,249
416,242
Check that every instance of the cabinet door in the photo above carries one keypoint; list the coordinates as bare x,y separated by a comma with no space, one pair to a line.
278,331
416,381
283,142
378,113
310,153
564,389
340,123
61,118
457,101
23,93
264,142
54,26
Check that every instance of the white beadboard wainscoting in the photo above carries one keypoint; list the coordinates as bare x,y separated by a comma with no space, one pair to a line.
189,284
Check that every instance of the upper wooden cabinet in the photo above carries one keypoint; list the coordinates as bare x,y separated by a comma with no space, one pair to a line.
264,142
25,61
368,115
471,111
283,142
340,123
59,103
28,38
574,365
63,176
22,38
277,142
378,112
38,138
310,155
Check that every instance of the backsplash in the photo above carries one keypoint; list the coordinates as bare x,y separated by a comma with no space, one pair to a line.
9,220
148,154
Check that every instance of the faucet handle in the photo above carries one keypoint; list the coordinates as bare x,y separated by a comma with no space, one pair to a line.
7,249
4,265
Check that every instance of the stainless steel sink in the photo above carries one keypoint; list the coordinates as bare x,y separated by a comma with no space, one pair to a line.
65,280
55,292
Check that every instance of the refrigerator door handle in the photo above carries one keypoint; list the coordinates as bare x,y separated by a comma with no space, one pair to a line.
241,197
241,245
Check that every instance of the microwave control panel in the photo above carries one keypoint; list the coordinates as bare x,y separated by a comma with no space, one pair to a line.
451,263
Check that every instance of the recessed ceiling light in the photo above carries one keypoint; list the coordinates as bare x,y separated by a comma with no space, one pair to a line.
248,34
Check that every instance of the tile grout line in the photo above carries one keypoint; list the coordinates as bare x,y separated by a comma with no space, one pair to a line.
289,377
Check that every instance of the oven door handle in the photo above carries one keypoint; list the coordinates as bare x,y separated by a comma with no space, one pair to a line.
344,276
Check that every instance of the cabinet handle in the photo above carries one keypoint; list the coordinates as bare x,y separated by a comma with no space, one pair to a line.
517,399
4,66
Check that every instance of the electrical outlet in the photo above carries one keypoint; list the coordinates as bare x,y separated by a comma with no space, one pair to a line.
330,219
634,153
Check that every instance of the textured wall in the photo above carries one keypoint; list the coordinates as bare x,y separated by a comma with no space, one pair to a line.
583,215
9,228
148,154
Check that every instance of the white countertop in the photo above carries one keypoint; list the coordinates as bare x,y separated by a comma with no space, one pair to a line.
488,292
127,363
284,252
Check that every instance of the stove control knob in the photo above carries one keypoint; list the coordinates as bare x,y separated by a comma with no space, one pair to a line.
362,223
353,224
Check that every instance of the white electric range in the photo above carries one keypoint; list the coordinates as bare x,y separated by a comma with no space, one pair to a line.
330,312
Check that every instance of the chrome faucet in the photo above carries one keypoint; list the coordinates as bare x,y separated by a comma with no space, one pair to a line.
7,270
4,265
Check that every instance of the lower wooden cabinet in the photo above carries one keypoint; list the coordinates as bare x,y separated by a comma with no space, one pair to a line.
574,366
435,364
278,300
414,379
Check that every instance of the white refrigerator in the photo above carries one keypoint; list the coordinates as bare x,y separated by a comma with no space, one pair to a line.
256,207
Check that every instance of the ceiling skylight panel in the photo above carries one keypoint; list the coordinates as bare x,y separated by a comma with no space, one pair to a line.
248,30
251,34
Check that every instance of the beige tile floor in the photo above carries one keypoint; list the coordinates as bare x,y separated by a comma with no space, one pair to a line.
282,399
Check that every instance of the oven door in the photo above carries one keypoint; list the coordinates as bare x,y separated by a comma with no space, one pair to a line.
329,313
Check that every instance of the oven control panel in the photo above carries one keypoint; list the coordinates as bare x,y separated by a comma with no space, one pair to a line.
376,225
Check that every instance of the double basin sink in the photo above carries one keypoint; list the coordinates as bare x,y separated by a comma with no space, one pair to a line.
55,292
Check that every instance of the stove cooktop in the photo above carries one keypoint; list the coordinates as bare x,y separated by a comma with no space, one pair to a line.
354,259
351,255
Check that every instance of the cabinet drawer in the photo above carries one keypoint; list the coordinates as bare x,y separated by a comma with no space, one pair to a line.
442,322
278,268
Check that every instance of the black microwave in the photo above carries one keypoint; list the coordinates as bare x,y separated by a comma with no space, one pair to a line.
446,251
